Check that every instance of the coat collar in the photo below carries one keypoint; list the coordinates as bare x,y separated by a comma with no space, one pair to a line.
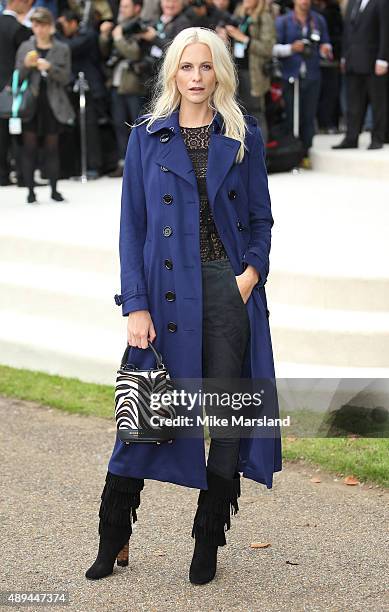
173,154
172,123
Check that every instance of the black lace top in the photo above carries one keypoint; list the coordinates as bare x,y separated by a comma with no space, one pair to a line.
197,140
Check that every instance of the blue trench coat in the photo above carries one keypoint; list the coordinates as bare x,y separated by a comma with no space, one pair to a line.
160,252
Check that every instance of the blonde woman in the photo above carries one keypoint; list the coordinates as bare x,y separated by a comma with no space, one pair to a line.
195,234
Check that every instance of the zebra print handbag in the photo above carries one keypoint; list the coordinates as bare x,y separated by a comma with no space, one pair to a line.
135,406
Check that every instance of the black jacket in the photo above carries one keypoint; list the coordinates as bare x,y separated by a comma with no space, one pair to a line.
366,38
86,58
12,34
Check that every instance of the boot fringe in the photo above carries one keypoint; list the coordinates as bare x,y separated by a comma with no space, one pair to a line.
236,491
124,484
215,506
119,498
208,526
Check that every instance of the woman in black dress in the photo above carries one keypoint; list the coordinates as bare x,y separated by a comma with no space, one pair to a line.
46,63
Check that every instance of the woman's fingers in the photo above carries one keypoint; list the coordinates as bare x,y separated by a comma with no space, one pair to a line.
140,329
152,334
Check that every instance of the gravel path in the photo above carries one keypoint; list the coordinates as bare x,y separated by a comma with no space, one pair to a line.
53,469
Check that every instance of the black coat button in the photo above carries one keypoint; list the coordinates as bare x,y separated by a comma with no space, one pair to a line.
240,226
172,327
164,169
168,264
165,137
170,296
167,198
232,194
167,231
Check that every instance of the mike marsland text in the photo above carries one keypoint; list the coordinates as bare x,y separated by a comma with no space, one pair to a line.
213,421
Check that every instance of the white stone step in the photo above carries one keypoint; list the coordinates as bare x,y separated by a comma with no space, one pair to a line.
350,162
323,292
89,352
329,337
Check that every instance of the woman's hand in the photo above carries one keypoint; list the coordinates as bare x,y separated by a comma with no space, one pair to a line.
31,59
237,34
247,281
43,65
140,329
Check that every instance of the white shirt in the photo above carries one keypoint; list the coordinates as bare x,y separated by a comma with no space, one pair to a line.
10,13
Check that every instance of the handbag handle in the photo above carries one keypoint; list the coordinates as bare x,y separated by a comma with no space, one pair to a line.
157,355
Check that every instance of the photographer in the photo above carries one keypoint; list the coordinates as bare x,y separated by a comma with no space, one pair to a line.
206,13
302,38
252,34
172,20
123,51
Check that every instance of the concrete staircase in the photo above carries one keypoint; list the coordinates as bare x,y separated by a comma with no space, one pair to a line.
328,291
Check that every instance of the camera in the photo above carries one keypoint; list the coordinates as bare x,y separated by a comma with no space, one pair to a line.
129,28
135,26
311,43
230,20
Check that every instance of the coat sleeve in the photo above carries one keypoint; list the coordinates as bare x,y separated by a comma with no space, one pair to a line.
261,220
24,72
60,70
133,228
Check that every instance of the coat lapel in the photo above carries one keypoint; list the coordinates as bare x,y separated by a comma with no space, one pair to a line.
173,154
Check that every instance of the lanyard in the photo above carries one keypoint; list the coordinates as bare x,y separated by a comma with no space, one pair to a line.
160,26
243,27
17,93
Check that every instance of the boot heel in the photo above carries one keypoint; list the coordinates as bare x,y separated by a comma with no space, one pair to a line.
122,558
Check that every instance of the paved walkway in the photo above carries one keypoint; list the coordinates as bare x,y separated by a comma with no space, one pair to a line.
53,468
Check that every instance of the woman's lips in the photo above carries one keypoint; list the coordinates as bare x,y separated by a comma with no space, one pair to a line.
197,89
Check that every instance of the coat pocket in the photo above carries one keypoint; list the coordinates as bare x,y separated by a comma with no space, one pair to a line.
236,289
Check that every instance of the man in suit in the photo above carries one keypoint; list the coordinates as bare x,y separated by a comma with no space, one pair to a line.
12,34
365,63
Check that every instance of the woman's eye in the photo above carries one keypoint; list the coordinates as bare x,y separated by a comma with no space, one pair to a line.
206,66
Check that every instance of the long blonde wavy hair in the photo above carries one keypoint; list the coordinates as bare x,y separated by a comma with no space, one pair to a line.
166,97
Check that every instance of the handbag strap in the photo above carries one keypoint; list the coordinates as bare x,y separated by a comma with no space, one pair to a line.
157,355
17,92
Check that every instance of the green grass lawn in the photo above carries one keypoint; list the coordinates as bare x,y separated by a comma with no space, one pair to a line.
365,458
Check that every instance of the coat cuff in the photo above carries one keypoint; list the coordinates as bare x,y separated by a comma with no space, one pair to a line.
253,260
131,303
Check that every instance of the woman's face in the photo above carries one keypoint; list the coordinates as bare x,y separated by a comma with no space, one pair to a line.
195,70
42,31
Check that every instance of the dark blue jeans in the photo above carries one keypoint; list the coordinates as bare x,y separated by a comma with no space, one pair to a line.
309,101
226,332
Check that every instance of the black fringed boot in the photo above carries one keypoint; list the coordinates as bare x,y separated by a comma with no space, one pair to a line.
211,520
119,500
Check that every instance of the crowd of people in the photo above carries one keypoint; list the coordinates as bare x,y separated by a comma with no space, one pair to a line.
333,53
